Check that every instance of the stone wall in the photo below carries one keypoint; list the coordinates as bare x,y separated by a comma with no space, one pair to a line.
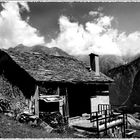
12,93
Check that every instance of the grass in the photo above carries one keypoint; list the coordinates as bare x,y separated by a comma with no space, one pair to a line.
10,128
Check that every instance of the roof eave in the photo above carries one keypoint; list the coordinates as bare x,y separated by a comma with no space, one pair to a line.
77,82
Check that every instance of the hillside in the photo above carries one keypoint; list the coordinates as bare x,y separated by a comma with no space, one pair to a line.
125,89
11,128
130,58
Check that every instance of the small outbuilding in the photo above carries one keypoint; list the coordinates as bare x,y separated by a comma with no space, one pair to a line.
57,83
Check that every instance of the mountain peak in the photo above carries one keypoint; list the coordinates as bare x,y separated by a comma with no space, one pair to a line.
40,49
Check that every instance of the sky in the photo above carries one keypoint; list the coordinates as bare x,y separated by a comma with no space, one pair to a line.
75,27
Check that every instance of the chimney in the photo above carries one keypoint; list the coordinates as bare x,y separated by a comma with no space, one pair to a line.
94,63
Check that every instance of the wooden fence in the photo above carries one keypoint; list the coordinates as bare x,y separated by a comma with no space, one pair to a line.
103,107
107,106
106,119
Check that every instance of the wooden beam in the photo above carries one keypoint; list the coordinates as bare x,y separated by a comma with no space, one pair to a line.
61,104
27,101
36,98
67,106
30,105
58,91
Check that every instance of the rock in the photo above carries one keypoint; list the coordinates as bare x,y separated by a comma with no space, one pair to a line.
28,118
34,120
22,118
133,122
130,133
45,126
10,114
86,116
136,115
1,110
53,119
33,123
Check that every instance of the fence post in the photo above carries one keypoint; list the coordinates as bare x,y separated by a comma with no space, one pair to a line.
91,117
105,121
123,125
126,120
97,122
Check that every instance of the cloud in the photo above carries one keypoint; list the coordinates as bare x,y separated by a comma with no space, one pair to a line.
96,36
129,44
94,13
105,21
24,6
14,30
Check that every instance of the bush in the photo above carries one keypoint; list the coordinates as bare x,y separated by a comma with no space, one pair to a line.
4,105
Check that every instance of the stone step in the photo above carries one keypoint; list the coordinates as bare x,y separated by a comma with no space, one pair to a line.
83,133
80,135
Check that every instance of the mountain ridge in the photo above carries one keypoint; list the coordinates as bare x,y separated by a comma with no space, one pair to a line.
125,89
41,49
106,62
